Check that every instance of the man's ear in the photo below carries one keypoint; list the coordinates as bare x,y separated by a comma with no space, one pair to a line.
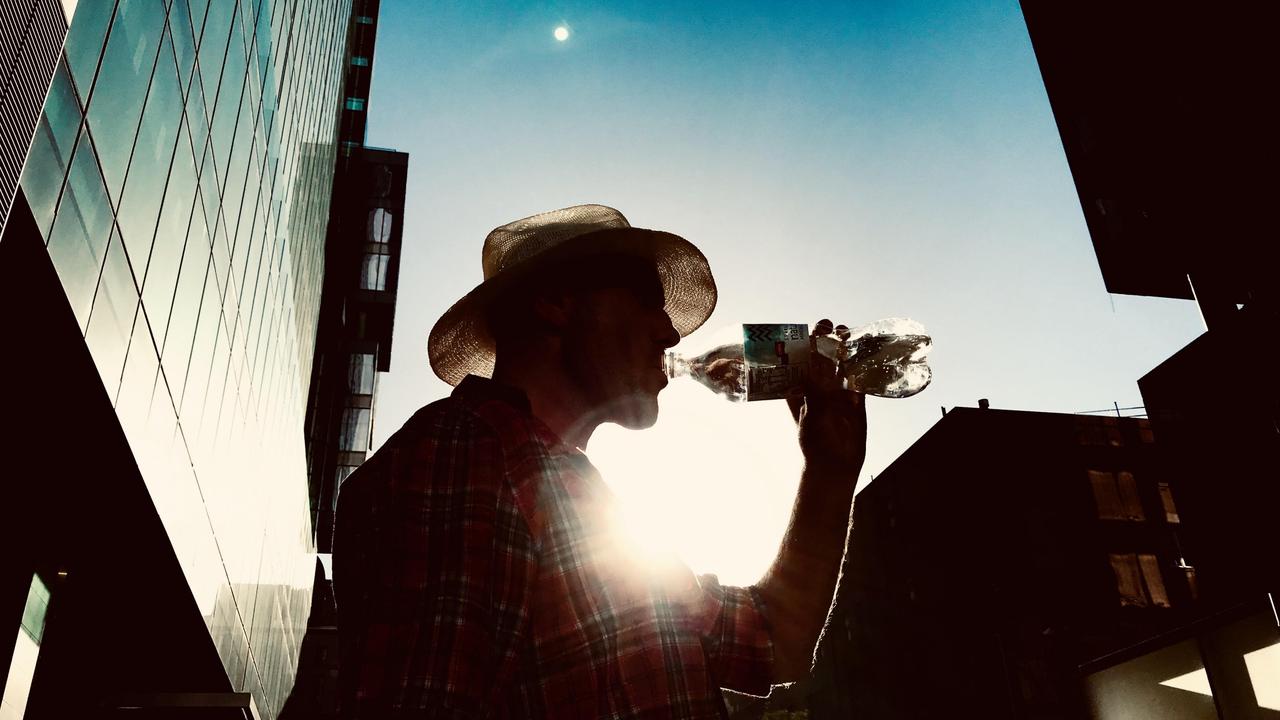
553,310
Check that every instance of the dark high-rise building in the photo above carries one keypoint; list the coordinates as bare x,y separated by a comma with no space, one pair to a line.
353,342
1167,122
31,34
1031,565
1166,118
162,269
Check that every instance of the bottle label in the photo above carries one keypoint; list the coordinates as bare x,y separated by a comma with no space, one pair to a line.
777,356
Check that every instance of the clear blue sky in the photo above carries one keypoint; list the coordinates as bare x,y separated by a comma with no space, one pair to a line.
854,161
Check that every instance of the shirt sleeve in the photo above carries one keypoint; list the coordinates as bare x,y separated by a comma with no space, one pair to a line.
736,637
452,559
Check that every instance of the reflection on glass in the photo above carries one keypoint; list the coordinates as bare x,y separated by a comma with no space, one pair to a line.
1139,580
1153,579
111,321
197,380
354,434
55,136
26,651
186,305
1129,496
133,402
121,90
1166,501
380,226
84,41
230,88
149,166
184,41
171,234
361,374
373,274
78,240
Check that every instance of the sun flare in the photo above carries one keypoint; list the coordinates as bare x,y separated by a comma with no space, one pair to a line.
561,33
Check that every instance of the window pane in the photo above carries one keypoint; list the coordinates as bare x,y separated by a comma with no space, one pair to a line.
380,226
361,374
355,103
184,41
373,275
1166,500
78,240
1105,495
360,61
149,167
186,306
111,322
354,435
118,96
171,236
213,41
1154,580
227,106
1128,580
84,40
1129,498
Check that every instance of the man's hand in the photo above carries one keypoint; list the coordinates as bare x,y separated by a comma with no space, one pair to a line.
799,586
832,420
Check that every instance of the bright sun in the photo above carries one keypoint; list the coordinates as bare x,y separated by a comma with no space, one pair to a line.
562,33
711,481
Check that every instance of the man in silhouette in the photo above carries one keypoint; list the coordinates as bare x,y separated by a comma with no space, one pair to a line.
478,566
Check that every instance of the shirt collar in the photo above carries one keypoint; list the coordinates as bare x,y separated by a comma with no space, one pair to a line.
474,388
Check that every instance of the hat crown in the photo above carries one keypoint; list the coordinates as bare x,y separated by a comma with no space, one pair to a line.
520,241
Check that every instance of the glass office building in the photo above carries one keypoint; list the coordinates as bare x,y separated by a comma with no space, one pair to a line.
31,34
178,187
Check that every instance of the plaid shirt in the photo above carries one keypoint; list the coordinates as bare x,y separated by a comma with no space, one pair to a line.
478,572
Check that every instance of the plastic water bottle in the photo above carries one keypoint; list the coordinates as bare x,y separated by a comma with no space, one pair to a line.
885,358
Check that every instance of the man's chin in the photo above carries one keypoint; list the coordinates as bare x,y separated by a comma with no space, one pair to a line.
638,412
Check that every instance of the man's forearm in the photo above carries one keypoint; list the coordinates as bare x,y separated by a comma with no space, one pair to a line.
799,586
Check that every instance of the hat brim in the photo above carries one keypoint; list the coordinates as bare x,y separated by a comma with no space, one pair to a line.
460,343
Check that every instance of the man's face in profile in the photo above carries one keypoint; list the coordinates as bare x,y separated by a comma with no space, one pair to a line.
614,346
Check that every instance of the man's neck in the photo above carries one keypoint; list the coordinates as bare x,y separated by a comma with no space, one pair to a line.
553,399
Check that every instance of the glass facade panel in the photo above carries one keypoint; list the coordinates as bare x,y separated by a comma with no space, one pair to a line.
54,140
186,306
354,435
84,41
149,168
221,214
78,240
1128,580
1166,501
110,323
171,233
361,374
1129,497
1154,579
184,41
121,90
227,106
380,226
373,272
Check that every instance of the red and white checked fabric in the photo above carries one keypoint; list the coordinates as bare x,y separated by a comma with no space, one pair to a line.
478,572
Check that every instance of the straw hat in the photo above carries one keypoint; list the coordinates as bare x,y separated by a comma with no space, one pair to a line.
461,344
